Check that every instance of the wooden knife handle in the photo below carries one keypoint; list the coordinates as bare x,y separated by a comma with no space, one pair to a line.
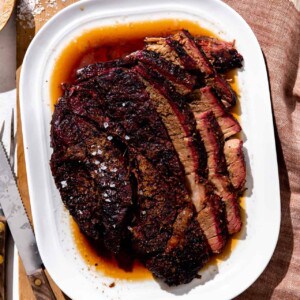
40,286
3,234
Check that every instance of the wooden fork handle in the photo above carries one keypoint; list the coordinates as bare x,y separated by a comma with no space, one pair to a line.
3,234
40,286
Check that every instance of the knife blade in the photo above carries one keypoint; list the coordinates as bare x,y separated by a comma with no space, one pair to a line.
21,229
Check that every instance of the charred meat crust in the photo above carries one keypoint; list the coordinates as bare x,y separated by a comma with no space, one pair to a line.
183,81
180,264
191,56
91,176
97,69
222,55
158,208
133,118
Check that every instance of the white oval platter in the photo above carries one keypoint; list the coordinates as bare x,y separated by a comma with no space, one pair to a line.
262,204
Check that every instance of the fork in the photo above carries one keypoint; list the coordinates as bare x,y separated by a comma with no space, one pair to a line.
3,223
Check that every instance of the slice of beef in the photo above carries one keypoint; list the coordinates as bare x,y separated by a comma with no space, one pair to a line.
204,99
191,56
223,90
212,220
182,80
181,127
218,175
233,150
186,251
222,55
158,207
181,49
97,69
91,176
178,120
160,46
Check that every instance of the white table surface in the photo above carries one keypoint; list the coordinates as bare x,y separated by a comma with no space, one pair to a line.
7,102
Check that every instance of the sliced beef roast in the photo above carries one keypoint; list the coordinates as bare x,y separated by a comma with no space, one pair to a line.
143,153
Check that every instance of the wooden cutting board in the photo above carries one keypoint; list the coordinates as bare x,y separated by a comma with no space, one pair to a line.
29,22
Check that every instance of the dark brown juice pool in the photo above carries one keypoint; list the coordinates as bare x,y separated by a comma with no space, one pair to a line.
107,43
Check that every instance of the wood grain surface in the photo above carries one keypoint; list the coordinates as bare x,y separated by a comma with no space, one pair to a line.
3,236
24,36
6,9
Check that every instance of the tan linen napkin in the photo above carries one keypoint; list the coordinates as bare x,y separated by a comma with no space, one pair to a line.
276,24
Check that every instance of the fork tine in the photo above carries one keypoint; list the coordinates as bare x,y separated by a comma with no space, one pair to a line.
2,130
12,141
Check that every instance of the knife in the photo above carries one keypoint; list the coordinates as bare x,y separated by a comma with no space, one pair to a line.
21,230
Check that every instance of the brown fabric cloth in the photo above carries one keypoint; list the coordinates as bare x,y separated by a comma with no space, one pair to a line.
276,24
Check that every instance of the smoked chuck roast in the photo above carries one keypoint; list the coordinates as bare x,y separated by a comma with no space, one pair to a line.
145,153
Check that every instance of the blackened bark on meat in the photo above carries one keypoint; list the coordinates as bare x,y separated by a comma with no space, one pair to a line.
91,176
139,155
158,208
180,264
133,119
192,57
223,56
97,69
181,79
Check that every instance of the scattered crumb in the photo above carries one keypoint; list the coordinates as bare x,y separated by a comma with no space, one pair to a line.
198,276
113,284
